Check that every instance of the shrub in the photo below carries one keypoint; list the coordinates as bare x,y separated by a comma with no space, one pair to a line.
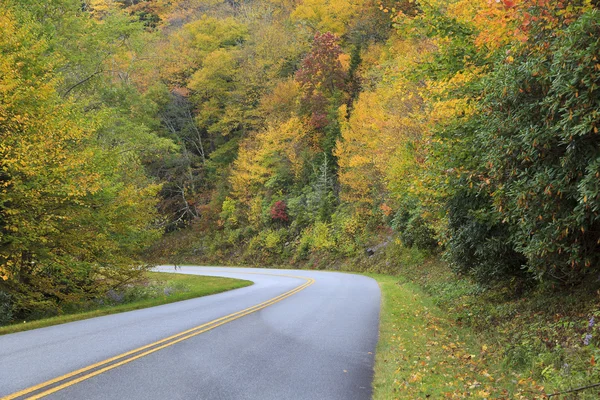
234,236
279,212
272,241
229,213
267,243
6,308
413,229
538,134
322,238
480,245
304,245
255,212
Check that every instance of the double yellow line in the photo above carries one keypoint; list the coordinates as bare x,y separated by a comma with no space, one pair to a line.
54,385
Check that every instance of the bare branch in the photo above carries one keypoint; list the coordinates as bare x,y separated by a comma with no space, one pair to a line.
82,82
579,389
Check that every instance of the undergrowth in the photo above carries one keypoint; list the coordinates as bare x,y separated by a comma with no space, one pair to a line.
544,339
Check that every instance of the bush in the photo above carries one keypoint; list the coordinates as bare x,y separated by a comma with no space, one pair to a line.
255,212
403,257
235,236
267,244
304,245
279,212
412,228
272,241
229,213
480,245
6,308
347,231
538,133
322,236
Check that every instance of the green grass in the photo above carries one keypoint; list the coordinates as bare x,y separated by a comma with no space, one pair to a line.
534,336
423,354
180,286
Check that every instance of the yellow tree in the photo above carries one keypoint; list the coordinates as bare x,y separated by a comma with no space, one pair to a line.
382,142
73,215
272,155
328,15
182,53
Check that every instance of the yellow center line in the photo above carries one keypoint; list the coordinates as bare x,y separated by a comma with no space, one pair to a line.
179,337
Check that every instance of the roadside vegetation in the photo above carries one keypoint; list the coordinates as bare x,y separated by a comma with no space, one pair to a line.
423,354
151,290
447,337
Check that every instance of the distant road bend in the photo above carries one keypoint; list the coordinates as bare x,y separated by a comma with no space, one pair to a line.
304,335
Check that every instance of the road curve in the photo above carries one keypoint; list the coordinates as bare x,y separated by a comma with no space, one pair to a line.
292,335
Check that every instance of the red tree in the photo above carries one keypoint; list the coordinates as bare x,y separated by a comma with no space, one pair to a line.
279,212
321,75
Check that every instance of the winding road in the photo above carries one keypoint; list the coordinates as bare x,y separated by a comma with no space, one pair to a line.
292,335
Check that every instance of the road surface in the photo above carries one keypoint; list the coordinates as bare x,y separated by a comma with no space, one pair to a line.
292,335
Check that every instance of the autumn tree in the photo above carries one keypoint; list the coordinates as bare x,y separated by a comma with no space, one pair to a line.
75,210
321,77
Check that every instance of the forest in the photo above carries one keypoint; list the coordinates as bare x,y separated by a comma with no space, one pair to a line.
310,133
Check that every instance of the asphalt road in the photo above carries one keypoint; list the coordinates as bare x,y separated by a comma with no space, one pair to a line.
311,336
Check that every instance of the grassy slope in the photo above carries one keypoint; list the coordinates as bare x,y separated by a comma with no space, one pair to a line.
423,354
443,336
188,287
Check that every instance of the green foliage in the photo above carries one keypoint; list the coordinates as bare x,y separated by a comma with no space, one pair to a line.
322,238
470,130
479,244
542,149
267,245
6,308
76,207
412,227
272,241
468,127
347,231
304,246
229,213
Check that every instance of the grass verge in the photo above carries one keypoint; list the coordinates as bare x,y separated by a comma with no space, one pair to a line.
157,289
422,353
